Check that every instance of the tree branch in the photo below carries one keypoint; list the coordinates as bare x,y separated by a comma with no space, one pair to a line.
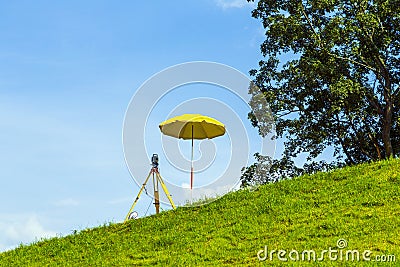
378,151
328,50
345,151
303,10
357,136
352,61
287,113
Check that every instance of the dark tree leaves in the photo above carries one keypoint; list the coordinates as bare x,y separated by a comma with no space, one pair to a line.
330,75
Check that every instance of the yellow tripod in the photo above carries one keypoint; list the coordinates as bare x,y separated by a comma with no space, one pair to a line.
156,179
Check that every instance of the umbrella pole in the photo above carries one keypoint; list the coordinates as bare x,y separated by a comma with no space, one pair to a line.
191,171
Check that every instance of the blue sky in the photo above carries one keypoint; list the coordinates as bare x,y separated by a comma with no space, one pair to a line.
68,70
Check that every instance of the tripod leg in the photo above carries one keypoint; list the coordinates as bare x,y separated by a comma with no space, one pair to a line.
157,201
137,198
164,187
156,194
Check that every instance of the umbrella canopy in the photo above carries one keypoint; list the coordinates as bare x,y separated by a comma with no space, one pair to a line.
192,126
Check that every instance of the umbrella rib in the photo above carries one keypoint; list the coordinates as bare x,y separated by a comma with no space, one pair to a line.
204,131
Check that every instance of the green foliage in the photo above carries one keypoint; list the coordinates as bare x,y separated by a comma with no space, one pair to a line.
267,170
331,76
360,204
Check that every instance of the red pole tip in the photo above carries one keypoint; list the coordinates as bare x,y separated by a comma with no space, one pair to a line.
191,179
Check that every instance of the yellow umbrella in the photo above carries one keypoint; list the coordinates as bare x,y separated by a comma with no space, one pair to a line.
192,126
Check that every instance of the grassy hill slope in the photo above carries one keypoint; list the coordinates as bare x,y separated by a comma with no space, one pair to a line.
360,204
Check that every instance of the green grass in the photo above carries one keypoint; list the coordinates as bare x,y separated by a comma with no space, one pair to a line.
360,204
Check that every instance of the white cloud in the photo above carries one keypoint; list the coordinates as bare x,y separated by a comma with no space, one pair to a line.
225,4
17,229
258,36
68,202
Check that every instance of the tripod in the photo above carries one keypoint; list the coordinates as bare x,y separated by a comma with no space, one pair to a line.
156,179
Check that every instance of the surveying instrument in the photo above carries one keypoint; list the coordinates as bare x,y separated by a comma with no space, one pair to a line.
155,174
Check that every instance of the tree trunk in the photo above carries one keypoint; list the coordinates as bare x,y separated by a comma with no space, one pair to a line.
387,113
386,128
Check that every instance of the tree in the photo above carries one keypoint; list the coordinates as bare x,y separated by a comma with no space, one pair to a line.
268,170
330,75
